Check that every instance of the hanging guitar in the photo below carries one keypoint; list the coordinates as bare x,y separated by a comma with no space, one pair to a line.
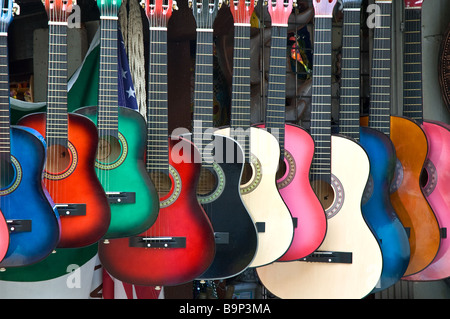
218,188
297,147
180,244
120,164
411,147
72,142
376,206
33,222
348,263
261,152
435,180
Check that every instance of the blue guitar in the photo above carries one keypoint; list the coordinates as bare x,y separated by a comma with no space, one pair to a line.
376,205
29,211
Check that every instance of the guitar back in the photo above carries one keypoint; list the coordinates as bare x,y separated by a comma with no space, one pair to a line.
347,232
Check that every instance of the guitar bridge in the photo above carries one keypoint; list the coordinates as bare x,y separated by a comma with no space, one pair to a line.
71,209
19,225
329,257
157,242
121,197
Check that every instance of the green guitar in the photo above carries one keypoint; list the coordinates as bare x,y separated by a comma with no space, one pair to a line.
122,132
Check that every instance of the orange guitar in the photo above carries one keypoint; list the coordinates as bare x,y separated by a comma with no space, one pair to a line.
72,142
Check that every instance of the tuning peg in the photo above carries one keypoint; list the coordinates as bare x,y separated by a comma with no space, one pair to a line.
294,4
174,5
190,4
142,3
16,9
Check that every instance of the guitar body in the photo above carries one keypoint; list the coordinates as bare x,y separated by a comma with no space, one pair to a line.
296,191
407,196
4,237
271,215
377,208
30,245
180,216
347,232
436,189
124,171
235,231
77,182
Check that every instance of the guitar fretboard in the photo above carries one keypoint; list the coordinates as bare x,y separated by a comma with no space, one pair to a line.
108,110
157,108
276,92
349,113
5,146
240,101
412,65
321,100
204,94
56,117
380,82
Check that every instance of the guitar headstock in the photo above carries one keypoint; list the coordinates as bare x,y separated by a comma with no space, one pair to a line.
109,8
205,12
324,8
279,11
6,15
158,12
413,4
58,10
242,10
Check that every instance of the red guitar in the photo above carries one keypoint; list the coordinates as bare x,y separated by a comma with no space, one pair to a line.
297,147
180,245
72,142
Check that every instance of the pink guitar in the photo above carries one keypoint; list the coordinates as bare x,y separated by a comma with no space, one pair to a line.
297,147
436,175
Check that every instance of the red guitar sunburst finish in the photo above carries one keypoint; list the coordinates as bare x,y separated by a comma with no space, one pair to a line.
72,140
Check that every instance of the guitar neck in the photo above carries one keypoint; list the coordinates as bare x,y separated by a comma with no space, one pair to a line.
412,65
276,92
380,94
157,109
240,99
204,96
56,121
349,112
5,144
108,109
321,99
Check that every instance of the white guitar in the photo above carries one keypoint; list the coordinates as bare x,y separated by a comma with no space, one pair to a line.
348,264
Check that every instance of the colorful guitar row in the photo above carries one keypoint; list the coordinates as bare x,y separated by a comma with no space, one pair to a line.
313,212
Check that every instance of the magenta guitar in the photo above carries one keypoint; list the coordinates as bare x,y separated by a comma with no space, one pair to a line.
436,176
297,147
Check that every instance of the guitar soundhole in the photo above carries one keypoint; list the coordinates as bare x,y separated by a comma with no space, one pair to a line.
207,182
8,174
162,182
324,192
281,169
247,174
109,150
58,159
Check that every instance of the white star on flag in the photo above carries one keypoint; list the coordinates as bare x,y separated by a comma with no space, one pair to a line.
131,92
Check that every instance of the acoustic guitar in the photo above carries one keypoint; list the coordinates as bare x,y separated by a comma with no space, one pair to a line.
348,263
435,179
120,163
72,142
261,149
222,162
411,146
376,205
32,220
296,147
180,245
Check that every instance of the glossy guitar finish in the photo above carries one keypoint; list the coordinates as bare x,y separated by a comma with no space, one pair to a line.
120,164
31,245
376,205
72,145
297,148
180,217
4,236
78,184
128,175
